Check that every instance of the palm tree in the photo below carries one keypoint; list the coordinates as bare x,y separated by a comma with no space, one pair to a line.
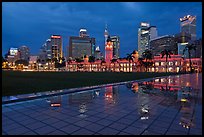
130,58
141,62
91,60
147,55
168,54
189,47
114,60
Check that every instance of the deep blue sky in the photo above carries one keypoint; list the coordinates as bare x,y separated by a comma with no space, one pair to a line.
31,23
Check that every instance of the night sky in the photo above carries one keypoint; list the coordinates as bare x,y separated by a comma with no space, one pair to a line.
32,23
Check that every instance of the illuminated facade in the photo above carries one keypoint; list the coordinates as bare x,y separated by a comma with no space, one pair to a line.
175,64
145,34
188,25
56,46
109,50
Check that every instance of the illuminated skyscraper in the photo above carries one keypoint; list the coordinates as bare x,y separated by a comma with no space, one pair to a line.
145,34
188,25
56,44
116,46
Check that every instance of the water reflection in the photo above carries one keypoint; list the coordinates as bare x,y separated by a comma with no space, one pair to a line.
176,91
54,101
111,94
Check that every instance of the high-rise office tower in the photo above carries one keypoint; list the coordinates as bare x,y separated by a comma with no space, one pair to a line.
145,34
116,46
81,46
188,25
24,52
56,46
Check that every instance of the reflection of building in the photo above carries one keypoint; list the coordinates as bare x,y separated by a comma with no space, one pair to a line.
188,25
164,42
81,99
145,34
55,101
111,94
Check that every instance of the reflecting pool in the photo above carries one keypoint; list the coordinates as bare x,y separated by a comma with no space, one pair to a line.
160,106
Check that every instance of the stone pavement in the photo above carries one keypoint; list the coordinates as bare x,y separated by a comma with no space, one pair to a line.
112,110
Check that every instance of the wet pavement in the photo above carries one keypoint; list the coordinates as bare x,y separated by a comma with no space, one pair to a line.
161,106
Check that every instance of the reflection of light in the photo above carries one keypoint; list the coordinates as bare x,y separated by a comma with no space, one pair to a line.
97,93
55,105
108,96
183,100
145,110
82,108
142,118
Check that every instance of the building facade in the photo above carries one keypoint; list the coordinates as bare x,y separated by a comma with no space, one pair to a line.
116,46
188,25
164,42
56,46
24,53
81,46
145,34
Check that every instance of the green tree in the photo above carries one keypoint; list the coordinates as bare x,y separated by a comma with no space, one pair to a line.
147,55
166,53
189,48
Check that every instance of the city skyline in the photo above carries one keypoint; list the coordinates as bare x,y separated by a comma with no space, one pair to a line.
35,22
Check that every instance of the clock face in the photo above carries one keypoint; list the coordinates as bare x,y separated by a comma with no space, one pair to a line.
109,45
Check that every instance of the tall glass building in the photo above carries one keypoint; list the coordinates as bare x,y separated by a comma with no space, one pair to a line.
188,25
145,34
56,46
116,46
81,46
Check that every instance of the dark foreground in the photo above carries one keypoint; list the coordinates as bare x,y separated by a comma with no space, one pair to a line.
17,82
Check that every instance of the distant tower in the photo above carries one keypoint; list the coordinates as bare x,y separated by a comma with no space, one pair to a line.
106,34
